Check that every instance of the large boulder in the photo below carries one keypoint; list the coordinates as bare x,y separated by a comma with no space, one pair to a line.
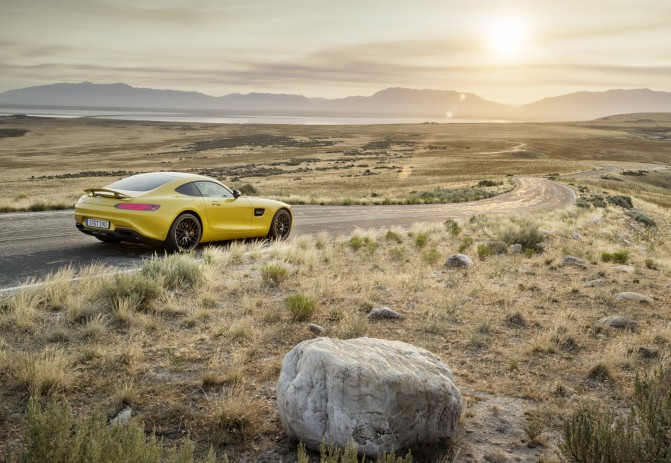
385,395
458,260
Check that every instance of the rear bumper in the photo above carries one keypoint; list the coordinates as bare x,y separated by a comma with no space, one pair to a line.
120,233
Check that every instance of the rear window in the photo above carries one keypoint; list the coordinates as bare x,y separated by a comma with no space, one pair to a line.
142,182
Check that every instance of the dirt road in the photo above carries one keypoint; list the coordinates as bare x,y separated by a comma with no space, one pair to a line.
32,245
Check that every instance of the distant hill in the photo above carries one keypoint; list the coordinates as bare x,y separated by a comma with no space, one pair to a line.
594,105
399,102
389,102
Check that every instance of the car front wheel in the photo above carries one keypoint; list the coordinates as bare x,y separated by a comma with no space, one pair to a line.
280,227
185,233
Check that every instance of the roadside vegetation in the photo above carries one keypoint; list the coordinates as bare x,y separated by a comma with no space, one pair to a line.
188,348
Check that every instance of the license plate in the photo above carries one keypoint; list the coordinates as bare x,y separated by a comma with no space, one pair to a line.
97,223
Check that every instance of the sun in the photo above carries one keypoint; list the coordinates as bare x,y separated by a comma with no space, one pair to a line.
506,37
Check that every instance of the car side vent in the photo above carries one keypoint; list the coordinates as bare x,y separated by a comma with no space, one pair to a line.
258,212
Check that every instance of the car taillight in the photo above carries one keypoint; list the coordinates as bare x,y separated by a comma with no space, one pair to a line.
137,206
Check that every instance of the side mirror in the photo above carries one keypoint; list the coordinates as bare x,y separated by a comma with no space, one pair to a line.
236,194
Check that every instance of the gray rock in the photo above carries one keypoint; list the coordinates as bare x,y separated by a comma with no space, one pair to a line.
316,329
458,260
647,353
571,261
123,417
577,236
595,282
383,312
617,321
385,395
632,297
515,248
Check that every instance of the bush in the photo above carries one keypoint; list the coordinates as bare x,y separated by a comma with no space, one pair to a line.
175,271
274,274
357,242
248,190
453,226
53,435
137,289
638,216
621,201
300,306
590,436
527,235
466,242
620,257
483,251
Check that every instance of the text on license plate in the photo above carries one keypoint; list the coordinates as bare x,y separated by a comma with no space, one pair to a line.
97,223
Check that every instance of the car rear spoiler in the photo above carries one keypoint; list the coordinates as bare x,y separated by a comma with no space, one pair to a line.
106,192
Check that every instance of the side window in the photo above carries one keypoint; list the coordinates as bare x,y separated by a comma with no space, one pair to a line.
213,190
189,189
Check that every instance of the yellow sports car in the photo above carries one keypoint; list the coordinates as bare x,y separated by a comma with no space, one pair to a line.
177,210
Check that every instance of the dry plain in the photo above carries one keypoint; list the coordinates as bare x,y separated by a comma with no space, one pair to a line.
200,356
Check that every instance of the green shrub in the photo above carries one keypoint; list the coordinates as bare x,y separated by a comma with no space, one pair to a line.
453,227
174,271
136,288
300,306
642,436
526,234
651,264
53,434
483,251
357,242
431,256
248,190
421,239
274,274
486,183
621,201
620,257
638,216
466,242
393,236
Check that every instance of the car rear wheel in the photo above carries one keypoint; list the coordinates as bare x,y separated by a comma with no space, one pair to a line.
185,233
280,227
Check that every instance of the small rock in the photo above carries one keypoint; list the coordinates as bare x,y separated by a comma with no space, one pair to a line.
596,282
571,261
632,297
14,417
458,260
576,236
381,288
624,268
617,321
316,329
515,248
383,312
123,417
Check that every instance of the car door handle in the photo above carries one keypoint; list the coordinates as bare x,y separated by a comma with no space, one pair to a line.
216,204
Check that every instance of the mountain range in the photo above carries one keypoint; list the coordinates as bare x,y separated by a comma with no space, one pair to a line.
391,102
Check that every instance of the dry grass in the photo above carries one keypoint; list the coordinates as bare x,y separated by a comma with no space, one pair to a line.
521,318
196,346
403,161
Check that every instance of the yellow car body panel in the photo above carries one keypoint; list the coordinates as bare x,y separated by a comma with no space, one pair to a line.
104,213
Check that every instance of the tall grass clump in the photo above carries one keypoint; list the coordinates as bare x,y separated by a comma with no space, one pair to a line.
53,434
300,306
590,436
19,310
620,257
526,234
273,274
135,290
334,454
42,373
175,271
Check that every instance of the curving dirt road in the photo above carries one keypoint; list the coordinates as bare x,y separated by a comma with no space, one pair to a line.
34,244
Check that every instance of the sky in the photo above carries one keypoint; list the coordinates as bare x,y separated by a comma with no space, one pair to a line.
512,52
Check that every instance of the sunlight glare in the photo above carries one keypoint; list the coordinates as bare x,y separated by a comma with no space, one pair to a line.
506,37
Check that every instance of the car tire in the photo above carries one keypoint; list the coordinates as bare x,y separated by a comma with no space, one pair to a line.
108,239
185,233
280,226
